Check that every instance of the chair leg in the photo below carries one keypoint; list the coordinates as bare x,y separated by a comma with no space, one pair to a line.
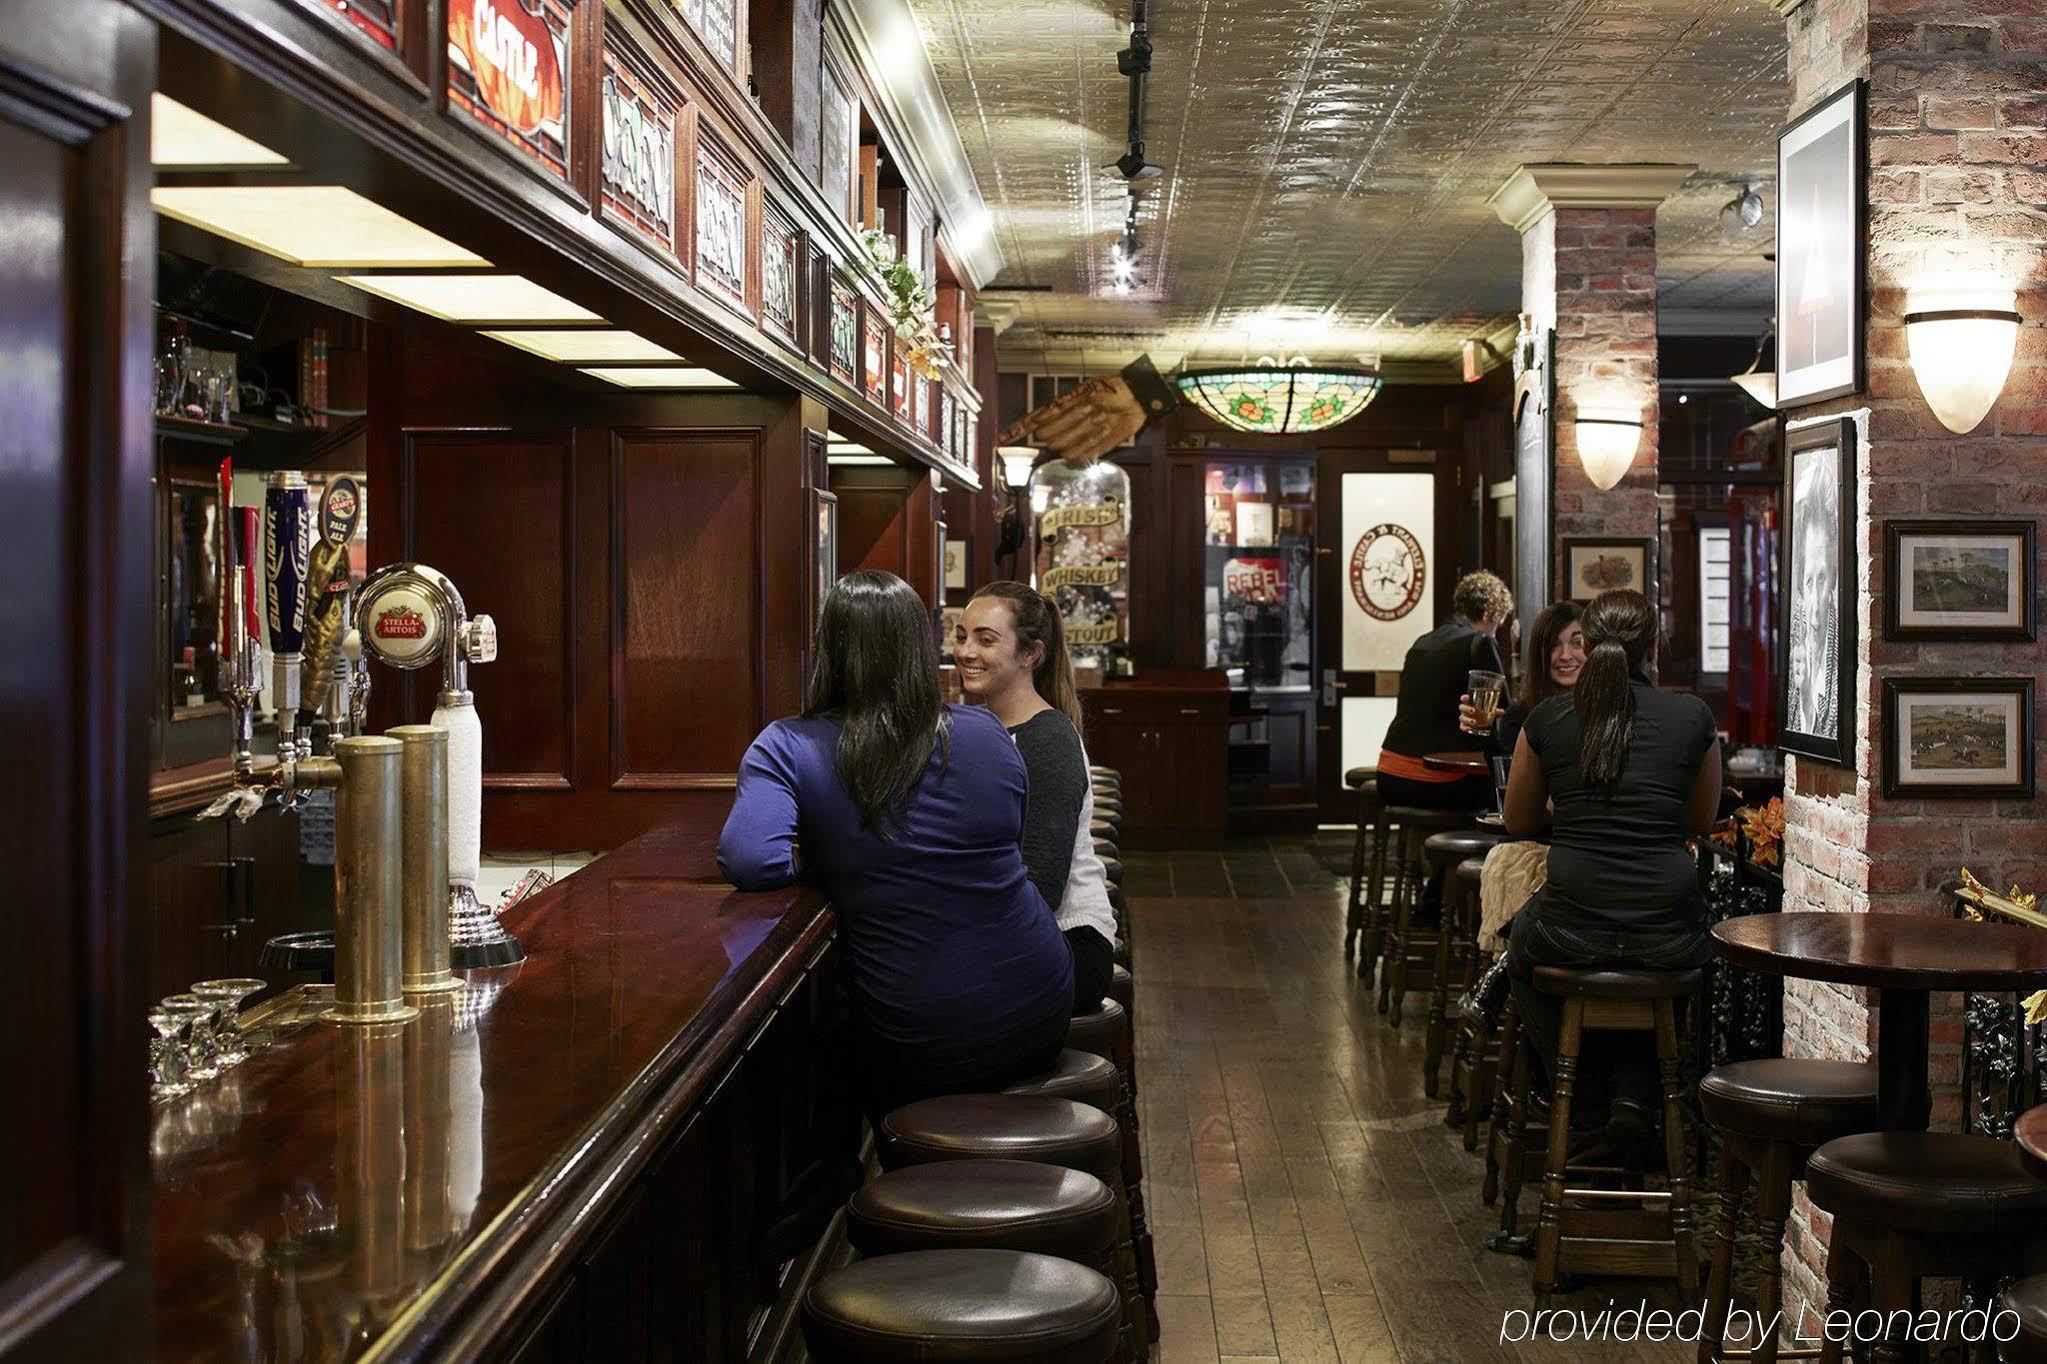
1390,935
1841,1275
1508,1072
1354,915
1773,1210
1730,1180
1549,1230
1374,918
1439,1003
1677,1153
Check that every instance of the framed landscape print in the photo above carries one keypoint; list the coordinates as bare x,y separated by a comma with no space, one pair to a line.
1817,575
1595,566
1960,580
1958,737
1821,170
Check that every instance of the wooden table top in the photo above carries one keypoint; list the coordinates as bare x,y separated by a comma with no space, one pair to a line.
1887,951
354,1185
1472,762
2031,1134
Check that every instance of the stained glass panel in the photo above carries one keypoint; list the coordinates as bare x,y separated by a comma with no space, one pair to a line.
778,276
845,334
1275,401
638,149
721,228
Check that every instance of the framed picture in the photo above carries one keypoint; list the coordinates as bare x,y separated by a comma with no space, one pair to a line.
1959,580
825,520
1818,574
1595,566
957,553
1821,171
1958,737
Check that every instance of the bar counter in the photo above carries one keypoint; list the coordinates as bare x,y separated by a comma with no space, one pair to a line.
575,1156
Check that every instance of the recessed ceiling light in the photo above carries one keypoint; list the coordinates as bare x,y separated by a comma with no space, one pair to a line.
180,136
669,376
585,347
474,298
855,461
320,226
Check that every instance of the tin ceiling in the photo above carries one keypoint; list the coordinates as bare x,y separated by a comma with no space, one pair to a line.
1328,162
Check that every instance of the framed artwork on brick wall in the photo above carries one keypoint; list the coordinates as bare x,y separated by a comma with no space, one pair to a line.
1593,566
1960,580
1818,579
1957,737
1822,171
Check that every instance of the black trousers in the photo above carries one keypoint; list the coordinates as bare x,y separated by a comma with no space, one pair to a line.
1094,966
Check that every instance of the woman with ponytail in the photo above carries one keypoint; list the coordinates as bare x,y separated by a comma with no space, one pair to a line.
1621,775
1010,646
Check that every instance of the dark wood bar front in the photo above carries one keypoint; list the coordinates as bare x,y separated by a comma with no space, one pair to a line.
577,1157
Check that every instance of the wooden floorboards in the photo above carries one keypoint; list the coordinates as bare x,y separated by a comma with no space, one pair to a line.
1307,1200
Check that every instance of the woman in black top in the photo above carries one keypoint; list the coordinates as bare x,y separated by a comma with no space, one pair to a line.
1010,647
1620,775
1556,655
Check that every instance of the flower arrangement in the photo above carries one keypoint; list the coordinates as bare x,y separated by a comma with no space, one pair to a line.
912,303
1763,829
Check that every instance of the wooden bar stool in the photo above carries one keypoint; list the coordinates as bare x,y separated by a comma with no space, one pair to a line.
960,1305
1107,1034
1472,1057
1364,781
1771,1116
1371,895
1456,933
1915,1205
1409,957
1516,1143
2026,1300
1654,1237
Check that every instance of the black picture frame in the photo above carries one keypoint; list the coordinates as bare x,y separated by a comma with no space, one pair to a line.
1899,691
1842,366
1569,589
1828,737
2024,534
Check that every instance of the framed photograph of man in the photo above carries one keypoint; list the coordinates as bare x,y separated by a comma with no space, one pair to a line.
1595,566
1958,737
1818,577
1960,580
1821,171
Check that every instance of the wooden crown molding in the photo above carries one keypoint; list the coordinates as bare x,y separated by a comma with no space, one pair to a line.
1535,190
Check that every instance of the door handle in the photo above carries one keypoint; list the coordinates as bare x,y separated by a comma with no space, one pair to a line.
1332,685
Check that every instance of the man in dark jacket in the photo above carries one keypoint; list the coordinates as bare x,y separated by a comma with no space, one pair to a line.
1433,676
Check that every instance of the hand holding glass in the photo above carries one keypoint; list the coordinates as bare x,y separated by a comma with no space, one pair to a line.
1479,709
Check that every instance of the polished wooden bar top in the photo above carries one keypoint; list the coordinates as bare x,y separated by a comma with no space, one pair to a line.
391,1191
1888,951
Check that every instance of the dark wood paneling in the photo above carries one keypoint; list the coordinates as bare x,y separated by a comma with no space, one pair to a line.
873,525
470,496
686,588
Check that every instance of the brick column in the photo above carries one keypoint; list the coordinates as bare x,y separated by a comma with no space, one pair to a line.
1957,139
1588,269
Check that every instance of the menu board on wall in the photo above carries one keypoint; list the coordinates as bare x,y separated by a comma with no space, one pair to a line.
778,275
873,357
721,227
508,66
714,22
640,115
840,131
845,334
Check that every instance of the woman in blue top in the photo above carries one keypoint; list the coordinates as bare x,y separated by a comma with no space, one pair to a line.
908,812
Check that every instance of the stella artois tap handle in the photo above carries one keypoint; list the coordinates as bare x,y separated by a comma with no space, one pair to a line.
409,616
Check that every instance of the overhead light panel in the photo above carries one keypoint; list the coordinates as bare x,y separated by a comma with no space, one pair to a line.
594,347
473,298
857,461
182,137
317,226
662,376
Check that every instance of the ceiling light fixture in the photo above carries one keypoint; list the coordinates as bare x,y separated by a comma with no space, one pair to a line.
473,298
1283,399
1607,445
320,227
1744,212
591,347
182,138
671,376
1757,382
1961,344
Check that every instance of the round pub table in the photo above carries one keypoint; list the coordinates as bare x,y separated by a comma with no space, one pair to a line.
2031,1134
1472,764
1904,958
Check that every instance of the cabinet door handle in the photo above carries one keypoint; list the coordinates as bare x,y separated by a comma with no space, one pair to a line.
1190,710
244,872
1112,710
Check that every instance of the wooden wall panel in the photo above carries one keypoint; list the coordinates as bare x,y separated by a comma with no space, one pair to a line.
471,496
686,559
888,519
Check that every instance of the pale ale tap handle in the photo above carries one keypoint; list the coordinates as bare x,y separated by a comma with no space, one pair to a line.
327,594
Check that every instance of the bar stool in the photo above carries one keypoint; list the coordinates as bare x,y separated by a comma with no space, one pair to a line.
2026,1300
1771,1116
959,1305
1410,950
1615,1240
1374,911
1364,781
1107,1034
1456,937
1914,1205
1123,989
1509,1156
1471,1059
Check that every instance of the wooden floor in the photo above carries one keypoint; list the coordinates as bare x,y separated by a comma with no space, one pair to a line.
1307,1200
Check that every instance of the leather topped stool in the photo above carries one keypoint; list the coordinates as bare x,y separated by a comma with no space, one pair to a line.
1367,850
1112,868
1107,1033
1408,959
1913,1205
1655,1236
1123,989
986,1204
1080,1076
1771,1116
2026,1300
1455,938
962,1305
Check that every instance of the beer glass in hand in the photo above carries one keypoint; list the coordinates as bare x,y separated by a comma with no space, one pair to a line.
1484,698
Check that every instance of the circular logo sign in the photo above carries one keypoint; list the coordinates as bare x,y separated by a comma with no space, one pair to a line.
404,624
1386,572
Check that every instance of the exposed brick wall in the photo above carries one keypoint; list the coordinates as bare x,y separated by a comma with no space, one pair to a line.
1957,142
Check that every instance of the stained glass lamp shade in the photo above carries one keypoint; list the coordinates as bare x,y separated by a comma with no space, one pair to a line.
1282,401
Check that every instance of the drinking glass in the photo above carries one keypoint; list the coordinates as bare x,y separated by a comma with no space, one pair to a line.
167,1078
202,1044
1487,691
227,996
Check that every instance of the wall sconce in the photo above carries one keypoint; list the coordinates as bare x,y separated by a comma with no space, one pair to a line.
1961,347
1017,462
1606,447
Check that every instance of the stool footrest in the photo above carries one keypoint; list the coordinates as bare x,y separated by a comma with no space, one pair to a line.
1648,1257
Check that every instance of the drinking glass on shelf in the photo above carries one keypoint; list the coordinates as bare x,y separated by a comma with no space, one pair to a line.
1487,691
227,996
167,1078
202,1044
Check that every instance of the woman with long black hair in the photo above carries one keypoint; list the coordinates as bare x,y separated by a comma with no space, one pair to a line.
1555,657
908,812
1621,775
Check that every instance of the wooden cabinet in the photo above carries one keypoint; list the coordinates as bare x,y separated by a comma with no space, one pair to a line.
219,890
1168,735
